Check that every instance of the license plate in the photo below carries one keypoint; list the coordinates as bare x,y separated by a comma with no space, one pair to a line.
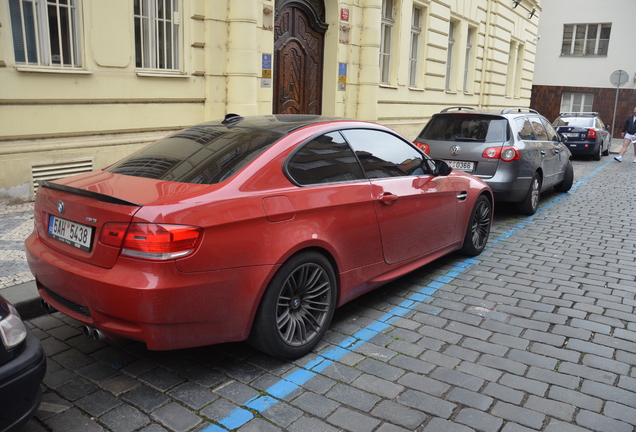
461,165
571,135
71,233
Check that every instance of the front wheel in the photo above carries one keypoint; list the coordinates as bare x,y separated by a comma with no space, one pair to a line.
297,307
478,228
530,203
566,184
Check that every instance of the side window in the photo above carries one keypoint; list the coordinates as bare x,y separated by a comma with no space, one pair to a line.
325,159
383,154
549,130
524,129
599,124
539,130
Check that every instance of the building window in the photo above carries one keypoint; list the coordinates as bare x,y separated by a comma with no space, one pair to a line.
468,67
45,32
386,29
586,39
577,102
449,54
416,31
157,34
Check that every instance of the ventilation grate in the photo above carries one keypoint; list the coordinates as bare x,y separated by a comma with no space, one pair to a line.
56,171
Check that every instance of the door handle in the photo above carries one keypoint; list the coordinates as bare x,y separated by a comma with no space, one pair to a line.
542,152
462,196
388,198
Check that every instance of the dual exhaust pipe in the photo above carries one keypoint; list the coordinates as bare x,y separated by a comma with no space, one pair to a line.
89,332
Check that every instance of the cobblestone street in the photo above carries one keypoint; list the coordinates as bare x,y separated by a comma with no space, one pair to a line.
537,333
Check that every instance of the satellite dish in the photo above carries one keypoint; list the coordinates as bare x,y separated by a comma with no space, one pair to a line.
619,78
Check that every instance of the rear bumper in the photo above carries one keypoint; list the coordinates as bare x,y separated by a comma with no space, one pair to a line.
152,302
20,391
583,148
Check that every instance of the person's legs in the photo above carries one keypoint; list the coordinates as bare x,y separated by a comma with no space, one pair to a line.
626,142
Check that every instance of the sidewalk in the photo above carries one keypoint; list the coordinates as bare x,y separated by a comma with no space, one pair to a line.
16,281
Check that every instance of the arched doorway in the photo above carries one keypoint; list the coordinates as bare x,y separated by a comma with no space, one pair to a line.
299,31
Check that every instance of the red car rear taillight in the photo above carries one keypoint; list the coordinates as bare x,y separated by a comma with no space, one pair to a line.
506,154
151,241
591,133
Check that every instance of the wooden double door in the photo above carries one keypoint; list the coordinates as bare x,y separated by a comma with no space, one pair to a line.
299,31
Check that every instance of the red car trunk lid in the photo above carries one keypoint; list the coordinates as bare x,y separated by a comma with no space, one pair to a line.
70,213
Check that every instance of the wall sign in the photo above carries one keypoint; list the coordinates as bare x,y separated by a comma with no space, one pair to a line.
344,14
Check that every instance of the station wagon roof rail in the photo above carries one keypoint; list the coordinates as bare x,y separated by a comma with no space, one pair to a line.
577,114
519,110
458,108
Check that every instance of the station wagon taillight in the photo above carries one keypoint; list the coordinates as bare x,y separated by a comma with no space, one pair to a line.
422,146
151,241
506,154
591,133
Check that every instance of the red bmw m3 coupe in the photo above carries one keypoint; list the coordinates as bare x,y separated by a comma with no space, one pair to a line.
251,228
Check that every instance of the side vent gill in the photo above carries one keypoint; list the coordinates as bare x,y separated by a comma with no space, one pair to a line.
56,171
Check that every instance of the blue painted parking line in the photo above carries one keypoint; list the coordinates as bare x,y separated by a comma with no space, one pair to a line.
283,388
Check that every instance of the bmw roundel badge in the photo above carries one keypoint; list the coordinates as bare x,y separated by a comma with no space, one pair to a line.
60,207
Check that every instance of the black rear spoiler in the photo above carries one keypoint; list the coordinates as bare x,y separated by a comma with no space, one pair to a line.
90,194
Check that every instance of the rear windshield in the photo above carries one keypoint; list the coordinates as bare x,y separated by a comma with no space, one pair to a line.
202,154
574,121
466,127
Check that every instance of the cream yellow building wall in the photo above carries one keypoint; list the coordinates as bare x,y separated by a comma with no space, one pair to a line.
93,115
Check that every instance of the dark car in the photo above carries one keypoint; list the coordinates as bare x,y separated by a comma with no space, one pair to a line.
515,151
586,133
250,228
22,368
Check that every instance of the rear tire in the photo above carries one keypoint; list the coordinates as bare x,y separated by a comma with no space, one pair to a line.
478,228
597,155
530,203
606,152
297,307
566,184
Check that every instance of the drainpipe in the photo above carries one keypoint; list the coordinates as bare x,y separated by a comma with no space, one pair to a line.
242,57
482,85
369,75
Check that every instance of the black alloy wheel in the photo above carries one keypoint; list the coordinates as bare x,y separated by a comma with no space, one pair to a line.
530,203
478,229
297,307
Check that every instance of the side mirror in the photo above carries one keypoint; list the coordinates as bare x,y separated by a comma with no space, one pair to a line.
607,127
562,137
438,167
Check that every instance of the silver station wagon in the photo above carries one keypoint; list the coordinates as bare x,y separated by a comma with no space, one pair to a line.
516,151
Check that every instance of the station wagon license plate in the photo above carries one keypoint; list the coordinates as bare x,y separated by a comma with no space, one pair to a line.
71,233
461,165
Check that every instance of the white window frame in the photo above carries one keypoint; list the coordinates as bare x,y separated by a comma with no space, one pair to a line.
577,102
33,43
386,40
578,40
153,49
452,29
416,32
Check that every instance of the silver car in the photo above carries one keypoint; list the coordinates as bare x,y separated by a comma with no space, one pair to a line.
516,151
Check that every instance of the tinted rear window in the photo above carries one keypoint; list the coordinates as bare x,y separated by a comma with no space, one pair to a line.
202,154
465,127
